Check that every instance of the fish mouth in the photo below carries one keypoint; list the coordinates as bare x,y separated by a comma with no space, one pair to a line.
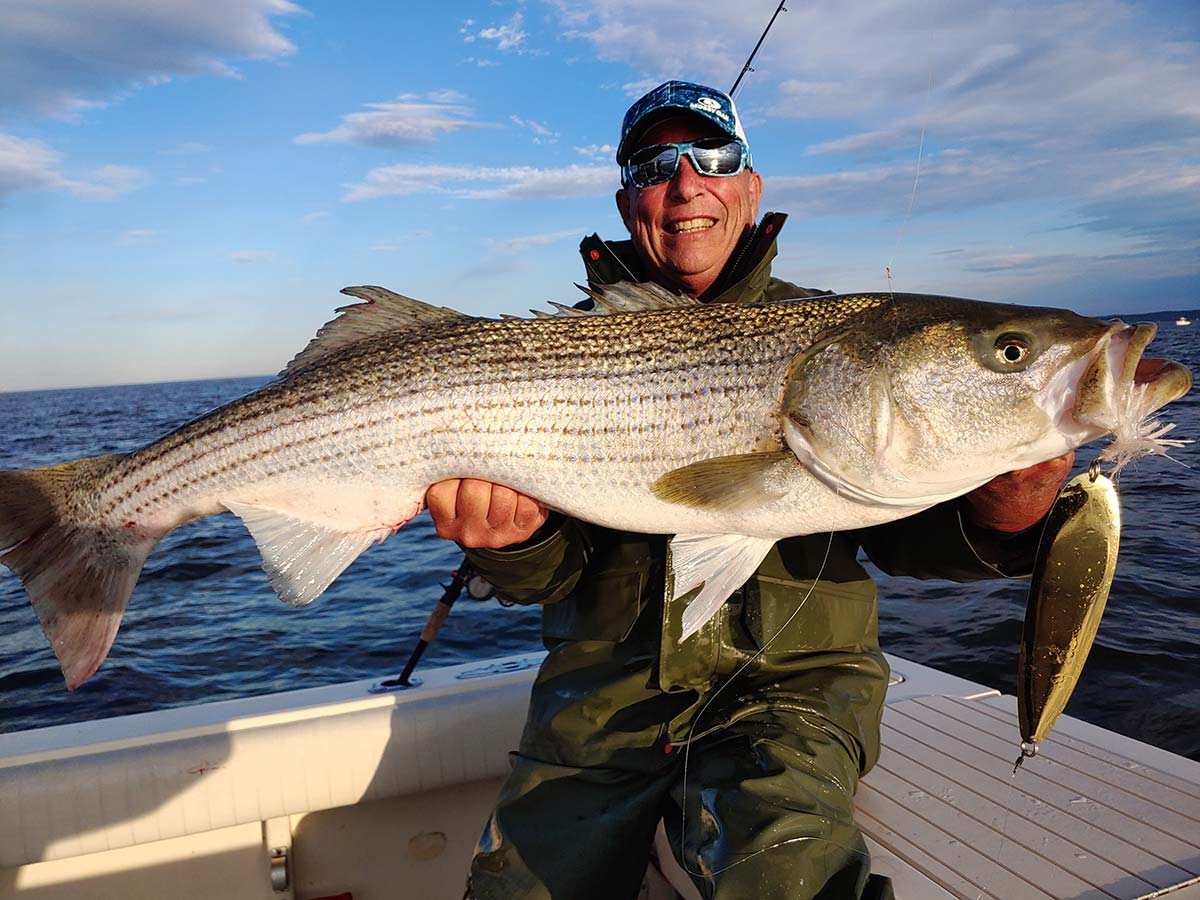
1121,386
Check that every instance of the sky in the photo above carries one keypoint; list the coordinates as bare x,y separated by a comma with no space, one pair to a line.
185,185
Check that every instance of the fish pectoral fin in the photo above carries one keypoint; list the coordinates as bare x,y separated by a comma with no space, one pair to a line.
721,562
301,557
729,483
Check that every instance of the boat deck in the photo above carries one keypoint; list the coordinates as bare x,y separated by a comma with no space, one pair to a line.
356,792
1094,816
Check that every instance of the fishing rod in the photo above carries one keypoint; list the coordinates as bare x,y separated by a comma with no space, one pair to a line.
747,67
477,588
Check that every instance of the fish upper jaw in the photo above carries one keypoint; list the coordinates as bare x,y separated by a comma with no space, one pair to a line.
1116,386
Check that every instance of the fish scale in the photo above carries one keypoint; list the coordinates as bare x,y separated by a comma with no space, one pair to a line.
728,426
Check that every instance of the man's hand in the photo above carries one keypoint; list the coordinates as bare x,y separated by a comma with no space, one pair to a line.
481,514
1017,500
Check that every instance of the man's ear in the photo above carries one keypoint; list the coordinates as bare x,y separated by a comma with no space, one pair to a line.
624,206
756,189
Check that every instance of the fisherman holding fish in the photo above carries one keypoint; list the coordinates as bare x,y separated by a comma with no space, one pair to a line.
748,736
716,453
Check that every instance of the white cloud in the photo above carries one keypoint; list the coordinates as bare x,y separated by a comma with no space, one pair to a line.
483,183
518,244
135,236
187,148
28,165
598,152
1087,112
107,183
402,243
409,119
635,89
509,37
541,134
316,216
250,257
884,59
63,57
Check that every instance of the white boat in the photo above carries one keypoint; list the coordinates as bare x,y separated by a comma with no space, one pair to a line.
339,792
1183,320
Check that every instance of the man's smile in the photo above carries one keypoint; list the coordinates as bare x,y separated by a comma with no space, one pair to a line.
687,226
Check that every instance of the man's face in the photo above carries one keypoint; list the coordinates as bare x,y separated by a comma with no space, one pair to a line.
686,229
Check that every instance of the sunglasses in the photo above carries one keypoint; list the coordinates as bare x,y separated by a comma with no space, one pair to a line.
714,156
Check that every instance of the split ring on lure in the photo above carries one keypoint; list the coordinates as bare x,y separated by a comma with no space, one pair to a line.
1072,575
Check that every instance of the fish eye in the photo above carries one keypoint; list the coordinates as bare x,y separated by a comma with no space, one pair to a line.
1011,349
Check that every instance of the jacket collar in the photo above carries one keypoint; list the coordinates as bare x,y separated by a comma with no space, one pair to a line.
744,278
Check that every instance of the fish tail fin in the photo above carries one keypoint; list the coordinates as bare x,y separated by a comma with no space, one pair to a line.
78,576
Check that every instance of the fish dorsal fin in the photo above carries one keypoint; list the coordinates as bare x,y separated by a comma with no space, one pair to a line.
622,297
382,312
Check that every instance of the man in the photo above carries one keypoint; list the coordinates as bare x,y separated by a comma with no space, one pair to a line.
749,737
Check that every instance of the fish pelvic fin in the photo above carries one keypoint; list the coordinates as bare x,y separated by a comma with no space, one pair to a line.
722,563
79,577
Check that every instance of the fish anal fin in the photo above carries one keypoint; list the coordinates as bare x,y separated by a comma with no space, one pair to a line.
722,563
381,312
303,553
729,483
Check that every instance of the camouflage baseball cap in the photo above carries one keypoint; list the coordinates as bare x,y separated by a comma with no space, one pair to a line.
678,96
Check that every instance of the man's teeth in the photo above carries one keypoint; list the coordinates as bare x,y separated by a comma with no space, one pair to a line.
689,225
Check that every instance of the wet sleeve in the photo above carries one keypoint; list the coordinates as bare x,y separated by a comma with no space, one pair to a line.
940,543
543,569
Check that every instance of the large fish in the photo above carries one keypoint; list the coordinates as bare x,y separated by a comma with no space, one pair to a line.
729,426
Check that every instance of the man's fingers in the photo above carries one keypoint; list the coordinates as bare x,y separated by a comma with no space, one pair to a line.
529,515
442,501
481,514
503,506
474,499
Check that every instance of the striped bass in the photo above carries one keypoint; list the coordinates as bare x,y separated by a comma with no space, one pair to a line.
728,426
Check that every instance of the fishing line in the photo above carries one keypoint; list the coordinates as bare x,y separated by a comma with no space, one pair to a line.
693,736
912,198
1004,838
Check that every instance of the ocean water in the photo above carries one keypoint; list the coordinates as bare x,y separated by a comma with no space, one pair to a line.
204,624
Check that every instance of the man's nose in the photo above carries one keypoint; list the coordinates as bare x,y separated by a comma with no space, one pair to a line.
686,183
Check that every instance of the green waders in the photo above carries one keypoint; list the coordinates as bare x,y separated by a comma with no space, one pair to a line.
753,775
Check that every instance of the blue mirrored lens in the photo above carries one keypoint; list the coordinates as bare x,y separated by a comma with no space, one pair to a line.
710,156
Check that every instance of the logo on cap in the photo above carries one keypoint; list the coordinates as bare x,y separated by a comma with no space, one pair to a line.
710,106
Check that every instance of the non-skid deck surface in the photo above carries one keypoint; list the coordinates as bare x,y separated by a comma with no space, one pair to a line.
1077,821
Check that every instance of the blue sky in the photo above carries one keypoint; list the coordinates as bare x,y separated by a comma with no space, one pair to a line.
185,185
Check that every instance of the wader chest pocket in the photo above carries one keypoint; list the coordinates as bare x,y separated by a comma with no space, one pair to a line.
603,608
834,617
